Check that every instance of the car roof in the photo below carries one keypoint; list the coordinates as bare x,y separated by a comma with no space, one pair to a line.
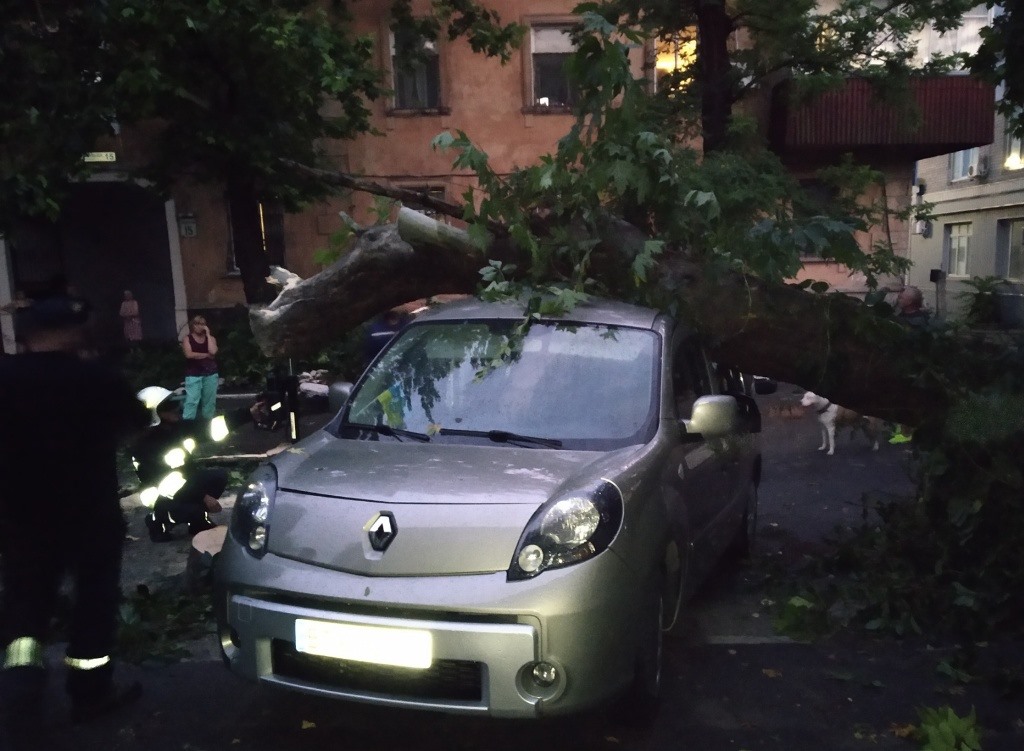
594,310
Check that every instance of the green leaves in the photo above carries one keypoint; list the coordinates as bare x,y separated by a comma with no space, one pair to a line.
942,729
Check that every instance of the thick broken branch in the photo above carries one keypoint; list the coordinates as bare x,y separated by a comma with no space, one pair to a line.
770,329
381,270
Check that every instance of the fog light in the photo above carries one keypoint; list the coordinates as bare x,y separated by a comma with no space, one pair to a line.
258,538
545,674
530,558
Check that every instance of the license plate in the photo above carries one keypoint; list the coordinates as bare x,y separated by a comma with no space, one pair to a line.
399,647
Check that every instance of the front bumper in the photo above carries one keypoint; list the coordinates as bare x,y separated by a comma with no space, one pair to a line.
487,633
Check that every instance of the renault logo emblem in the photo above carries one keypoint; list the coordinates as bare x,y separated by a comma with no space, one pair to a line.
382,529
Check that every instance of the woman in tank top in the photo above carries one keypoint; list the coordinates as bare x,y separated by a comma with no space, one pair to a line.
200,348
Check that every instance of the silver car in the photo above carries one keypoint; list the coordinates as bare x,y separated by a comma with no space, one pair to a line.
503,519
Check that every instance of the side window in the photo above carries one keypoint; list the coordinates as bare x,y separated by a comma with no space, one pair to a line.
689,377
729,380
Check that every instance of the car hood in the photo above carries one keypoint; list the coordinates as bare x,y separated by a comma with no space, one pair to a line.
453,509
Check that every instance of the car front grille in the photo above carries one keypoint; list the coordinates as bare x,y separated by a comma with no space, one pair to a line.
454,680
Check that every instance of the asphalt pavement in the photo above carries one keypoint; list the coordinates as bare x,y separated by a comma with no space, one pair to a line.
731,682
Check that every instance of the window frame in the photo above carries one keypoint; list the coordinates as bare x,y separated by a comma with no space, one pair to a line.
1007,253
394,71
964,39
961,164
958,245
530,98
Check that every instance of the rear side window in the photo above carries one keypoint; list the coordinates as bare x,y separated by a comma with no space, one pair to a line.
689,377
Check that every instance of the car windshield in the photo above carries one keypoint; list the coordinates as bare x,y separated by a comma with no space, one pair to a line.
575,386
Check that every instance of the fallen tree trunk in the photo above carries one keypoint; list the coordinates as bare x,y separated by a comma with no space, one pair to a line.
774,330
381,271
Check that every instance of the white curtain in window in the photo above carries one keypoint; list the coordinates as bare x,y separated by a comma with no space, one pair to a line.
551,40
966,38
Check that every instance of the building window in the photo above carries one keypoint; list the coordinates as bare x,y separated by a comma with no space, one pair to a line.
674,60
551,47
958,241
1014,158
966,39
416,78
1012,256
963,165
271,233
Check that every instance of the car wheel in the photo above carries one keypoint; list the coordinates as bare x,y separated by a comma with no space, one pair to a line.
640,703
743,543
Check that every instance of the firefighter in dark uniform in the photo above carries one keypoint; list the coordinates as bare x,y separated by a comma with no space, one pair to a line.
61,421
175,488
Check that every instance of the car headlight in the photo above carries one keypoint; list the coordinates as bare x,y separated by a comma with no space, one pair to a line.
567,530
250,520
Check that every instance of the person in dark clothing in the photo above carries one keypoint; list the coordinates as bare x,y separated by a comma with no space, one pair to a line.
67,417
175,487
381,331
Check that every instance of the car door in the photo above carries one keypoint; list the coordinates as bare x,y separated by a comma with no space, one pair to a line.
697,467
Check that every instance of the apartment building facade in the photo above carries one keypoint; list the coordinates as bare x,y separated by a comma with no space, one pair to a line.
975,227
176,255
975,198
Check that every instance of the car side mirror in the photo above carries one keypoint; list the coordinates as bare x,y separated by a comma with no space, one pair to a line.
337,395
713,417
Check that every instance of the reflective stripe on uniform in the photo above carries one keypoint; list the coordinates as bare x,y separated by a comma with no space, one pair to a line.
25,651
175,458
219,428
79,663
149,496
171,484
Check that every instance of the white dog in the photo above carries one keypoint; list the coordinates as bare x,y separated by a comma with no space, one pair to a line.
831,416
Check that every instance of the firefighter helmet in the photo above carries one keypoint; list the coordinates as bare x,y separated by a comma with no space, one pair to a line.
153,397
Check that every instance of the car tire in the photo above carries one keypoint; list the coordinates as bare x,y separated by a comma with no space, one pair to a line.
743,543
639,705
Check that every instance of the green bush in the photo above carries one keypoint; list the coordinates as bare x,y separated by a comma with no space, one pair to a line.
944,730
982,308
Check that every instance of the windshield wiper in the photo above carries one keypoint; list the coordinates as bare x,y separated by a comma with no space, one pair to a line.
397,433
503,436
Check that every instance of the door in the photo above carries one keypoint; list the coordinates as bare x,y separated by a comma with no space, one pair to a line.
698,469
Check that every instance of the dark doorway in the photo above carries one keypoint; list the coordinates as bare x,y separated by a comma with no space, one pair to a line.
111,236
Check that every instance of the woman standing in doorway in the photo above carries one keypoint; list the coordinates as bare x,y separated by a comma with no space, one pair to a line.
200,348
131,319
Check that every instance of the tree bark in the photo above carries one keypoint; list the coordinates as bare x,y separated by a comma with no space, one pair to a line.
713,29
775,330
381,271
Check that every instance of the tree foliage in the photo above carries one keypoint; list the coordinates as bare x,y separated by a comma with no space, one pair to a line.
1001,59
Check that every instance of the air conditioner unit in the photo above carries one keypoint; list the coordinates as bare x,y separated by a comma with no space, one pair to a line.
979,170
